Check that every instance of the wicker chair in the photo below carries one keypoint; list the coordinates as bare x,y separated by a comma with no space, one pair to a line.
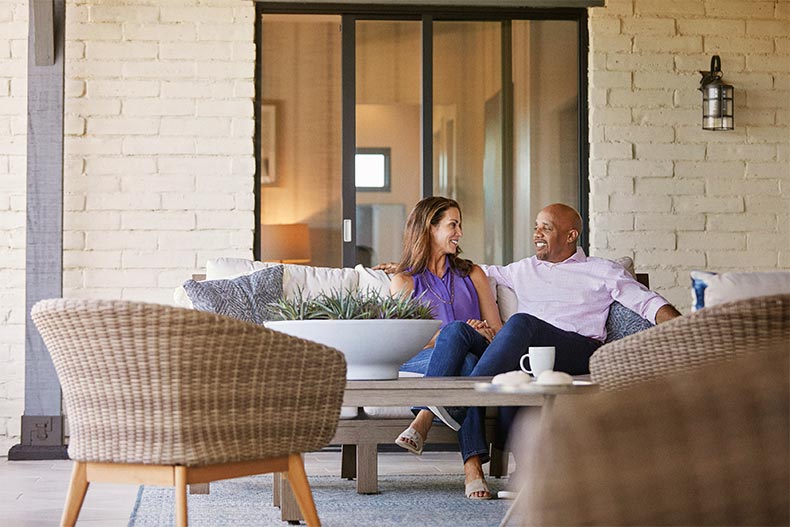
708,447
169,396
714,334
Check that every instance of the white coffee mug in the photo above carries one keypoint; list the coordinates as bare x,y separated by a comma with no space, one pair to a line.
541,358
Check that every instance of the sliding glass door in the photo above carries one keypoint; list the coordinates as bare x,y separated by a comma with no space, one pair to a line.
355,147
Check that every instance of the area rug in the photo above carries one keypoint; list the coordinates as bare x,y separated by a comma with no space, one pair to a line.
404,501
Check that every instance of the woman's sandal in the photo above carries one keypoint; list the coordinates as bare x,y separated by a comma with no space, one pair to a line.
411,440
477,485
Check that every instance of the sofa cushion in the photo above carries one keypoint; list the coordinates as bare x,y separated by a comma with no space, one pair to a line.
375,280
245,297
623,322
228,267
311,280
709,289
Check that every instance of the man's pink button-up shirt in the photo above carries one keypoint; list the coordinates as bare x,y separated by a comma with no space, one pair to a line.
575,294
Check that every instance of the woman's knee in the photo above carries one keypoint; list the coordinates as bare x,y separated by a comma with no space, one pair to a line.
455,331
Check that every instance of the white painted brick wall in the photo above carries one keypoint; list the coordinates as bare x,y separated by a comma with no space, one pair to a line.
687,198
13,124
159,158
167,107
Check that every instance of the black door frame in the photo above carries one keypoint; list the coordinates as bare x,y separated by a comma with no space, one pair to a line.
427,15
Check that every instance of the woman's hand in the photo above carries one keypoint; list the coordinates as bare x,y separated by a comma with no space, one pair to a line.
482,327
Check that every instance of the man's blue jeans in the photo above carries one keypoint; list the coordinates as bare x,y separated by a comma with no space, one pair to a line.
458,341
461,347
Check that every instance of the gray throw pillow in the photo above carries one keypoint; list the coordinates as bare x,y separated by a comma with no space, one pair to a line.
623,322
245,297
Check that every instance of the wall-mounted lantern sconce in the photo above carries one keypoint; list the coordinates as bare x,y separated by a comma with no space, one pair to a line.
717,100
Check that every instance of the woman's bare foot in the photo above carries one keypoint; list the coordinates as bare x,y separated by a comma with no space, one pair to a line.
473,471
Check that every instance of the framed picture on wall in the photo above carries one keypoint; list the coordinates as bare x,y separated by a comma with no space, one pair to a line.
268,143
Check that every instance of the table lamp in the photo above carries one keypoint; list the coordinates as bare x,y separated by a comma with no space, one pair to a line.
285,243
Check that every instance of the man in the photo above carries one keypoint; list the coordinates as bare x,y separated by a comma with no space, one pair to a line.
563,301
563,298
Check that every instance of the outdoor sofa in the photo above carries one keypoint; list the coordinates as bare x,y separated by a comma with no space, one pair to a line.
369,426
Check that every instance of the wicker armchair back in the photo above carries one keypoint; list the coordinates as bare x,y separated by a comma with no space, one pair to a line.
714,334
153,384
708,447
169,396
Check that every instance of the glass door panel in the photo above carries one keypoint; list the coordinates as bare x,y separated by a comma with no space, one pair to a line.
545,122
387,135
468,131
300,133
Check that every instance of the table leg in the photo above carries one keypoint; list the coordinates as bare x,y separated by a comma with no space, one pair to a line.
289,508
367,468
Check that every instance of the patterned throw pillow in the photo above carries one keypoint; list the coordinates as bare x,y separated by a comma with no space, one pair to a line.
623,322
245,297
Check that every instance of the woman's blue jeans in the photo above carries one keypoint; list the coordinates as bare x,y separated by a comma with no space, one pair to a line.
456,352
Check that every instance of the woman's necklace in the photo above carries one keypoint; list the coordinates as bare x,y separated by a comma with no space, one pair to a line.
452,289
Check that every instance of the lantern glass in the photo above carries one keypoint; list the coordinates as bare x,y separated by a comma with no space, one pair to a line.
717,106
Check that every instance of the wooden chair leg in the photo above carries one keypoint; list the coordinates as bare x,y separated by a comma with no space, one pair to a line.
75,496
297,478
181,496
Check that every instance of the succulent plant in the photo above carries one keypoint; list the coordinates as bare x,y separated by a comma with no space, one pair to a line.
350,305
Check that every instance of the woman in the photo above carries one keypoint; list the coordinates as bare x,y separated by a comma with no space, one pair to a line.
461,297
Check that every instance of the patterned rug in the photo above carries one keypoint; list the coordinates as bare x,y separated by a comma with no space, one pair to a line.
404,501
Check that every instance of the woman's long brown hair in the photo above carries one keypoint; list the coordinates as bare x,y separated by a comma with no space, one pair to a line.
417,236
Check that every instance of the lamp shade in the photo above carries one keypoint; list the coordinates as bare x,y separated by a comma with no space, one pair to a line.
287,243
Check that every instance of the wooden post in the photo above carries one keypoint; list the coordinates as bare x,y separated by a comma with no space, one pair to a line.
42,422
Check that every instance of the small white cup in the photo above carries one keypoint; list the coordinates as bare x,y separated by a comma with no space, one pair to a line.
541,358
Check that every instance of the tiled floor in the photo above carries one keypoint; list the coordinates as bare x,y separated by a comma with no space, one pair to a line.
32,493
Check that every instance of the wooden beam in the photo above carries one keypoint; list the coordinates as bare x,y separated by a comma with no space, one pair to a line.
42,422
42,25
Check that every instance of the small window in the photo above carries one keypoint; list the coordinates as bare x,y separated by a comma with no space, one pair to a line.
372,169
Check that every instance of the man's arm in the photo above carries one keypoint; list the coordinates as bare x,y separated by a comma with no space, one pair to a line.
666,312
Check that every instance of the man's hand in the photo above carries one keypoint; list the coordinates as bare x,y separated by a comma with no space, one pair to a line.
666,312
389,267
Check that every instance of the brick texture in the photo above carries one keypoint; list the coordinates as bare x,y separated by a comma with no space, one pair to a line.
689,199
158,152
13,105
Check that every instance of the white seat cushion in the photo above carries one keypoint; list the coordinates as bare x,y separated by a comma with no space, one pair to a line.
392,412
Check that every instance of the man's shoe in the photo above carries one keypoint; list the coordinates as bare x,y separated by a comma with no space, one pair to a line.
452,416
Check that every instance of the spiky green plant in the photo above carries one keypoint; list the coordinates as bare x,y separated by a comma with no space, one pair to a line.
405,306
298,308
350,305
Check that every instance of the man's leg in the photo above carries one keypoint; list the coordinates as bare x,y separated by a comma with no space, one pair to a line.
572,351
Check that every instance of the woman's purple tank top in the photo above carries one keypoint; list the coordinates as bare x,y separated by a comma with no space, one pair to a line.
452,297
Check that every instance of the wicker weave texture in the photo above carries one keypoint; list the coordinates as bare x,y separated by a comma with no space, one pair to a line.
145,383
714,334
708,447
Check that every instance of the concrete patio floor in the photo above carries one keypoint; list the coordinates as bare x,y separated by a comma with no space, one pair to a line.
33,492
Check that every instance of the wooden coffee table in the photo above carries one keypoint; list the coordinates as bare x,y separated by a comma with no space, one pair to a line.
410,391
